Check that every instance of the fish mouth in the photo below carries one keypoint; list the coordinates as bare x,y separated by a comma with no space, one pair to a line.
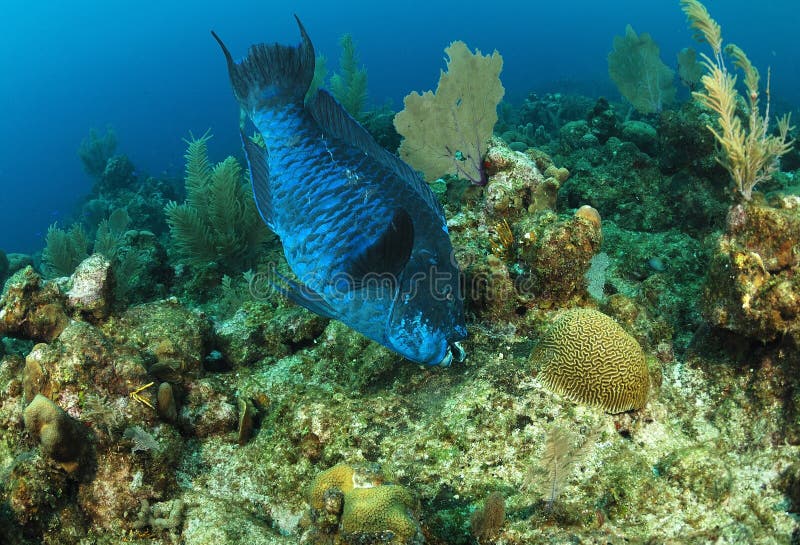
454,352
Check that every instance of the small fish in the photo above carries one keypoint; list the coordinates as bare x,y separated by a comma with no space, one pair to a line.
362,231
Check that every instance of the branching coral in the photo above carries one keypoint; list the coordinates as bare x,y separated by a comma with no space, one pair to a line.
750,154
219,221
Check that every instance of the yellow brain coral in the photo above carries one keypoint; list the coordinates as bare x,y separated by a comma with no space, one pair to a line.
339,476
587,357
354,502
382,512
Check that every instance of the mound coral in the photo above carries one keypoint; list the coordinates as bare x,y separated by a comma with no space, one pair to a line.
587,357
60,436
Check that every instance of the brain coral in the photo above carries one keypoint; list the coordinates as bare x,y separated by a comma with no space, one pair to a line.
587,357
354,502
382,514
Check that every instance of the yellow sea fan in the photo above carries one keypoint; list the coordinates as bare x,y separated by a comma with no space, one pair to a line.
447,132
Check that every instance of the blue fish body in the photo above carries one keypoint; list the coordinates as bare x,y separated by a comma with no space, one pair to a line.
363,233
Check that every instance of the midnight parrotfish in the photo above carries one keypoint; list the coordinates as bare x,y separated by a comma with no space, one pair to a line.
361,230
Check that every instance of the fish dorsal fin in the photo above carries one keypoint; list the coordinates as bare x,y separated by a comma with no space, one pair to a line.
382,262
259,176
334,120
305,297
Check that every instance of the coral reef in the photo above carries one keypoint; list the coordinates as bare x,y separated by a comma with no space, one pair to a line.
143,401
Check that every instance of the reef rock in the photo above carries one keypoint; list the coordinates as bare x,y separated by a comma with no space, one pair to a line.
753,284
92,288
516,185
32,309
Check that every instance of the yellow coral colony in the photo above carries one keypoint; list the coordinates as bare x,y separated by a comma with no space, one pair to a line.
587,357
749,154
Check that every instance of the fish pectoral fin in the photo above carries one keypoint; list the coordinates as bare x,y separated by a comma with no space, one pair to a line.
305,297
259,177
385,258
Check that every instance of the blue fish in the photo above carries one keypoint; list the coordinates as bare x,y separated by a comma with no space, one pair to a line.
361,230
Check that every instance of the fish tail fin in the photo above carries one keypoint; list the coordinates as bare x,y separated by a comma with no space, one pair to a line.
271,74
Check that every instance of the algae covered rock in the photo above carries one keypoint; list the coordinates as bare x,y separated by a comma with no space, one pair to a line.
170,336
92,288
259,330
557,253
80,360
32,491
753,283
32,309
516,186
208,410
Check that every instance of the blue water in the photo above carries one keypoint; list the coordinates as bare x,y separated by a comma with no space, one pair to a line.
151,70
